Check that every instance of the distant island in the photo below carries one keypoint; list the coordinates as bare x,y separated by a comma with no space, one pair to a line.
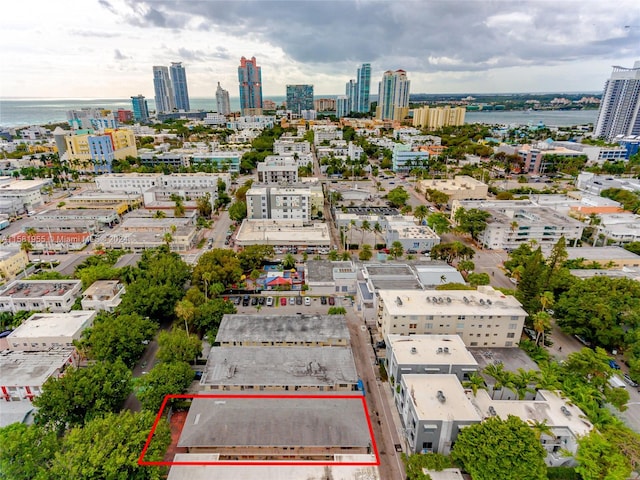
511,101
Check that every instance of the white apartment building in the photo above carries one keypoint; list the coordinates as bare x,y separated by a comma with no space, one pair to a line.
42,331
19,196
252,122
39,295
283,147
514,222
103,295
326,133
414,238
140,182
482,318
279,203
278,170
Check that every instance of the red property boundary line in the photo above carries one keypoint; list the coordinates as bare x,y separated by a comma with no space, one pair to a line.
167,398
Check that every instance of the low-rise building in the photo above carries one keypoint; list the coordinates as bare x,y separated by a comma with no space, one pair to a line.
20,196
428,354
42,331
47,239
24,373
482,318
540,158
413,238
281,233
607,257
514,222
278,170
405,158
433,409
39,295
12,260
228,162
121,202
140,182
462,187
595,184
619,228
261,428
282,147
279,203
283,330
103,295
325,277
94,219
305,369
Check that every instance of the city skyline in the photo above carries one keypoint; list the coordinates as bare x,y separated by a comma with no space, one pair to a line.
448,47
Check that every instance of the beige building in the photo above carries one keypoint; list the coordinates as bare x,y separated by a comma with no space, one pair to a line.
462,187
433,118
482,318
12,261
103,295
607,257
42,331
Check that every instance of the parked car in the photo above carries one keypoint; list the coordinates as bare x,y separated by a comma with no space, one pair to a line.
613,364
254,301
269,301
292,301
298,300
332,301
323,300
583,340
283,301
236,300
629,380
307,301
261,300
411,251
245,301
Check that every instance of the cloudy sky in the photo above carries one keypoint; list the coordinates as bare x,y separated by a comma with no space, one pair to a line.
106,48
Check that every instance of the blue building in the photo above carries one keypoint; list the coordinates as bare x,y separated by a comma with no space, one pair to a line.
102,153
140,109
299,98
404,159
631,143
362,88
179,83
250,83
165,100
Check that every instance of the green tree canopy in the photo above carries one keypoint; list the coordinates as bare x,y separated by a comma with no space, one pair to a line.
222,265
253,256
238,211
439,223
209,315
118,336
83,393
166,378
472,221
27,451
504,449
398,197
178,346
600,459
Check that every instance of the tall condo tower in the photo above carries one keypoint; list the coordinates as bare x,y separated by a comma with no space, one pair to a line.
620,107
165,100
250,83
222,101
393,96
179,84
140,108
351,91
362,89
299,98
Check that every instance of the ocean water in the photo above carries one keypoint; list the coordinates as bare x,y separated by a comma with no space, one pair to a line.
41,111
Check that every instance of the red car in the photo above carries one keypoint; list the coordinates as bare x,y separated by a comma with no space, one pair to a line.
283,301
332,301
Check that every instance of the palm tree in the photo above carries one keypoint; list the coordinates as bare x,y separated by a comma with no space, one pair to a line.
522,380
159,214
541,323
365,227
377,230
475,383
546,300
352,227
167,238
549,375
186,311
502,378
26,246
421,212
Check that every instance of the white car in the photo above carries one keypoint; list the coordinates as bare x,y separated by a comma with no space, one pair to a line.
269,301
307,301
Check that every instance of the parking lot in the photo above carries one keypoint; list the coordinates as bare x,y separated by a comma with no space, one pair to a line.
288,303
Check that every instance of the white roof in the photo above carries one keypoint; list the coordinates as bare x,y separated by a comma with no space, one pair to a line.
423,393
429,349
53,324
32,368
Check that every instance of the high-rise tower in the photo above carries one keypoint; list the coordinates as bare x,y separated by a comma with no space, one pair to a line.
620,107
393,96
222,101
299,98
140,108
250,82
179,84
165,100
362,89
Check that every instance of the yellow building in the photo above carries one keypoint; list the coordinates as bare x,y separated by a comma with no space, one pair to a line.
88,150
433,118
12,261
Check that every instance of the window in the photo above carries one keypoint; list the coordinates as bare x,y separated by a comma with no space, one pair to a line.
428,326
513,326
461,317
460,325
511,335
413,325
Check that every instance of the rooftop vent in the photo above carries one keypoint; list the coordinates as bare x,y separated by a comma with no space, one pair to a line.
448,299
446,349
492,411
441,396
481,301
466,300
414,350
428,300
439,350
565,410
399,301
435,299
440,300
488,302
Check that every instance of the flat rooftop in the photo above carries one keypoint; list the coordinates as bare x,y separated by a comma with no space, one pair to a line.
319,271
424,395
75,212
511,358
600,253
483,301
282,232
31,368
430,349
38,288
268,472
275,366
547,406
282,328
268,422
431,274
41,325
103,288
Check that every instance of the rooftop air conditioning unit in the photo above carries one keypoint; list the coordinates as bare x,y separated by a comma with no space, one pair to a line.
565,410
448,299
439,350
492,411
481,301
465,299
446,349
414,350
441,396
399,301
488,302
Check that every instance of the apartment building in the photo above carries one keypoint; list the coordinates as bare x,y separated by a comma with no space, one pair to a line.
405,157
291,369
414,238
482,318
434,118
279,203
20,196
283,330
282,147
12,260
42,331
90,151
140,182
103,295
278,170
462,187
39,295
